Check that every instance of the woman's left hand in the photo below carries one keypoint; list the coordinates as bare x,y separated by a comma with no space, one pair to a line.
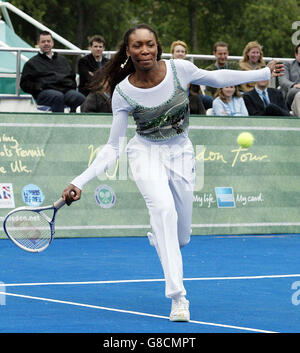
276,67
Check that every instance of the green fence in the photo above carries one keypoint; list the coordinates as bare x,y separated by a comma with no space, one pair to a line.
238,191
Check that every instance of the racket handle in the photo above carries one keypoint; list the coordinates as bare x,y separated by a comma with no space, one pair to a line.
59,203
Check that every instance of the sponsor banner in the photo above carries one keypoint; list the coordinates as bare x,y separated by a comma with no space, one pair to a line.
225,197
6,196
32,195
105,196
237,191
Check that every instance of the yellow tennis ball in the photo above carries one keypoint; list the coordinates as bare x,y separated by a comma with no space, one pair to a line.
245,139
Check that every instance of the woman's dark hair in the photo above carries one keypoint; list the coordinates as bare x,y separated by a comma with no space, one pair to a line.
112,73
96,82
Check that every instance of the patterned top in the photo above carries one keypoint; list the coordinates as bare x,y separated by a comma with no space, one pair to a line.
166,120
172,113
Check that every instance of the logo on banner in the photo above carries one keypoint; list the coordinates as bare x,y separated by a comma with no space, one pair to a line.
7,199
105,196
225,197
32,195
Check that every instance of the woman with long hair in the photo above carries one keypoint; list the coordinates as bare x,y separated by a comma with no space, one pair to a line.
252,60
160,155
228,101
178,49
99,98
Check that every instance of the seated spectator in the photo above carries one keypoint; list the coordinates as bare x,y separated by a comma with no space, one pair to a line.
91,62
221,53
196,105
179,50
252,60
98,100
50,79
290,83
229,102
263,100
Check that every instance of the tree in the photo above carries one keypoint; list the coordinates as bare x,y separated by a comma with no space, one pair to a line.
192,9
270,23
200,23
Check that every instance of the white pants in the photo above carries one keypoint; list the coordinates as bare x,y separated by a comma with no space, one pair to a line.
164,173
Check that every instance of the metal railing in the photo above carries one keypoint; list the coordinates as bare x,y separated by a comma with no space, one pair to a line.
18,52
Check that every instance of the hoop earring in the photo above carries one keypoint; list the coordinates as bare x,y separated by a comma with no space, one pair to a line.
124,64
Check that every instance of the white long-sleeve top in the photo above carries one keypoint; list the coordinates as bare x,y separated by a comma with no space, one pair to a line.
187,73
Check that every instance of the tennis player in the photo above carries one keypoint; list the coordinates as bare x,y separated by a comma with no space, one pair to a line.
155,92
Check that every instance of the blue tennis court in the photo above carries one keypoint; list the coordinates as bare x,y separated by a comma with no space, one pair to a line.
104,285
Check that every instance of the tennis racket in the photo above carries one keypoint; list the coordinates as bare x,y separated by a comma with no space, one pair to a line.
32,228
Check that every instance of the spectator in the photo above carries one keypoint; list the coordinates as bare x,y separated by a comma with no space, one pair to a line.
91,62
179,51
252,60
221,53
290,83
50,79
229,102
98,100
196,105
262,101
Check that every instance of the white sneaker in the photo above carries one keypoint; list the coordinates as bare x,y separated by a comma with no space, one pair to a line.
151,239
180,310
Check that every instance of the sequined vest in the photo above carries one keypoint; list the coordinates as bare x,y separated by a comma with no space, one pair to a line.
168,119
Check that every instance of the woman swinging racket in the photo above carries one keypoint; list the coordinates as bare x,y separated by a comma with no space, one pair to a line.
155,92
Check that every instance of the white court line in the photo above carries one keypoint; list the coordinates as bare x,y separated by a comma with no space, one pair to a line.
91,126
269,128
133,312
194,127
124,226
151,280
208,225
256,224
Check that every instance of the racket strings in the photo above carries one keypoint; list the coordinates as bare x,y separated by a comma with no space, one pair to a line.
30,229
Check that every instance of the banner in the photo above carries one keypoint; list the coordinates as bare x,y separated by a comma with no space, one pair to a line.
238,191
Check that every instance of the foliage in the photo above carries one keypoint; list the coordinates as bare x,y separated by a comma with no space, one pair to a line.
199,23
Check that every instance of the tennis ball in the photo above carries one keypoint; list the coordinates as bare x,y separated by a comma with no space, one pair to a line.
245,139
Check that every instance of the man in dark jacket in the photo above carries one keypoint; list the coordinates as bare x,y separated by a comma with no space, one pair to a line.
50,79
91,62
265,101
290,83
